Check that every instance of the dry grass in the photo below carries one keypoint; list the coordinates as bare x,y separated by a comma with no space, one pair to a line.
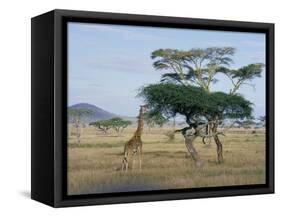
92,166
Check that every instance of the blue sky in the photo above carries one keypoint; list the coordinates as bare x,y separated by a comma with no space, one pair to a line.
108,63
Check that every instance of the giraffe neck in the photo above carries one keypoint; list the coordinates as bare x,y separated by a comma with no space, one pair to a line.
140,123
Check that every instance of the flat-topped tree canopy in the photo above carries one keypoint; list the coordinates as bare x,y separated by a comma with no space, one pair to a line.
244,75
199,67
196,66
194,102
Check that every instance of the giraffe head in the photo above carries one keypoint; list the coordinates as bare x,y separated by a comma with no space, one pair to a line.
143,108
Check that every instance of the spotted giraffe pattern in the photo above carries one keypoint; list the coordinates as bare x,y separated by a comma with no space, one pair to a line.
133,147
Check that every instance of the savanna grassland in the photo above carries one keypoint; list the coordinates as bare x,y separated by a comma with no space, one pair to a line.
94,166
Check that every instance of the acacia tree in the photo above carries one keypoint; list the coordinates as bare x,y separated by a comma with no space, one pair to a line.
193,67
197,106
75,116
102,125
243,76
248,123
118,124
198,68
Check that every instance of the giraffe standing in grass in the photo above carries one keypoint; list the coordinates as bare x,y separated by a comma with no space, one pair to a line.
133,147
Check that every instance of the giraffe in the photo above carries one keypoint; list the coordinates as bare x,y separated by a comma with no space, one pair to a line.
134,146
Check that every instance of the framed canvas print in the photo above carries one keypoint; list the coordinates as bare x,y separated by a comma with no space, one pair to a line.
134,108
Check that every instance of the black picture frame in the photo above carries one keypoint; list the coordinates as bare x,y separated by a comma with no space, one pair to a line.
49,100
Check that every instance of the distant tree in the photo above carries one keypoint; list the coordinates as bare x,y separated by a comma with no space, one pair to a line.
102,125
75,115
262,120
118,124
248,123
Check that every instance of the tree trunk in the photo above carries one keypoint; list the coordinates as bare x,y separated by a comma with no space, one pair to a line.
193,153
218,143
219,149
207,131
78,133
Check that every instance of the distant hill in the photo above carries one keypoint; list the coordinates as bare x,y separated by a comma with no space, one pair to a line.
101,114
98,113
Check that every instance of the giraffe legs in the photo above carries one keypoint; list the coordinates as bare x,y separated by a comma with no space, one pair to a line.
129,159
125,163
132,161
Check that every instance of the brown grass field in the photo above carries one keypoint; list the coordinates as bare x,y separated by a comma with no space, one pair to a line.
92,166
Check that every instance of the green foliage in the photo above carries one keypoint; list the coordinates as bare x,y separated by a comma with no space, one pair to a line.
154,118
248,72
185,90
199,66
117,124
194,102
185,85
103,125
243,75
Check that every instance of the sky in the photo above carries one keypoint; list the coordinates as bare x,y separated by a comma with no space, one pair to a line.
107,64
